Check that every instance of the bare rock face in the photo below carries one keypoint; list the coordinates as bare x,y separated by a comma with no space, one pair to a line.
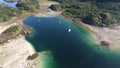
11,0
53,7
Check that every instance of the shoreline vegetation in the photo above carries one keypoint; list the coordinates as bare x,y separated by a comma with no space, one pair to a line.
13,32
93,12
21,7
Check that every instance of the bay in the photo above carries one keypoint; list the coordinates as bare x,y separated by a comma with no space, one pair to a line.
60,48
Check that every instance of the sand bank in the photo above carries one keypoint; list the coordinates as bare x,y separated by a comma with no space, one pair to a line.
109,34
14,54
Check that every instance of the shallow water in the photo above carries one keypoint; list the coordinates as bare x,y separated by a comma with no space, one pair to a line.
10,4
63,49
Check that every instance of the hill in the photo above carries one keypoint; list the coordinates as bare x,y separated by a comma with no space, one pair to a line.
93,12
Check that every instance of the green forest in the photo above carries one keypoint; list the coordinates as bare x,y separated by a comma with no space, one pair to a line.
93,12
6,13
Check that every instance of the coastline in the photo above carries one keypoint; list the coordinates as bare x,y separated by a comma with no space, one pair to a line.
110,35
15,51
93,35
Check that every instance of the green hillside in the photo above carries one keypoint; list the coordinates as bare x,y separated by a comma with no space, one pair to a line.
6,13
93,12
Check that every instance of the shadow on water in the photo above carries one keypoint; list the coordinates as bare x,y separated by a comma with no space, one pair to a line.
70,49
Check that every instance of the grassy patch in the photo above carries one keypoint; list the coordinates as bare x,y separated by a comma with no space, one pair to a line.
12,30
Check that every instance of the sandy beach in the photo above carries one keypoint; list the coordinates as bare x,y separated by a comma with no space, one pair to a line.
16,51
108,34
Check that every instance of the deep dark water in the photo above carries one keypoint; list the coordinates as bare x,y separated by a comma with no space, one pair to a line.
70,49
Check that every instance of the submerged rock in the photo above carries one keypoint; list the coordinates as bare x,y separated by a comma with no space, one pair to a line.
26,30
53,7
105,44
33,56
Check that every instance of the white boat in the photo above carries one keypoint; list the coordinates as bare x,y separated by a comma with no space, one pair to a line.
69,30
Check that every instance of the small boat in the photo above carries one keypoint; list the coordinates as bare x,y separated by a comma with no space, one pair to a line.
69,30
59,21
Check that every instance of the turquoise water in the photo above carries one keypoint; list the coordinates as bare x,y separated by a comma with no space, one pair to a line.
10,4
62,49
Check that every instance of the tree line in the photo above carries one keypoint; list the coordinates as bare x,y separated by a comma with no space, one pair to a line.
93,12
